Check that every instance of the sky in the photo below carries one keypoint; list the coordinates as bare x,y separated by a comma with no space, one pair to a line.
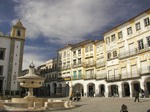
52,24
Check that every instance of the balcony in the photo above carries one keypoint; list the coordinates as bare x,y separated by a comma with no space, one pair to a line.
145,48
112,78
89,77
78,77
101,76
132,75
145,70
66,67
127,53
135,74
100,64
89,64
48,70
77,65
51,79
133,52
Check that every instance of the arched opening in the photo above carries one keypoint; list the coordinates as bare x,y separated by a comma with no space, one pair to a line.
59,89
113,91
67,90
54,89
126,89
147,87
49,90
1,87
91,90
102,90
136,86
79,88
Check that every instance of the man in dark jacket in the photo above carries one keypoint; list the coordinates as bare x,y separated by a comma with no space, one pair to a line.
136,96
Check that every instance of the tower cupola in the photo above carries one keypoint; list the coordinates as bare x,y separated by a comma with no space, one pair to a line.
18,30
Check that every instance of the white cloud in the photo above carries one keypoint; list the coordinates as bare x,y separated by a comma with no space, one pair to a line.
63,21
30,55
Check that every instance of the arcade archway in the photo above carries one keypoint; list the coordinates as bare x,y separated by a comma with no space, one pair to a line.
79,87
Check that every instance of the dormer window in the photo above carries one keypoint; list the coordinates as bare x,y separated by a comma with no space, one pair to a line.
18,33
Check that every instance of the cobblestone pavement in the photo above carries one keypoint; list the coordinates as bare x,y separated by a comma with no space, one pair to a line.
98,104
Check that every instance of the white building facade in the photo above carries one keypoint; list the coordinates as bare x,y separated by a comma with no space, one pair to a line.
11,57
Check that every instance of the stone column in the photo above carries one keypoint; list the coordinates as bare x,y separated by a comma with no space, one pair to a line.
106,91
131,93
120,90
96,90
85,91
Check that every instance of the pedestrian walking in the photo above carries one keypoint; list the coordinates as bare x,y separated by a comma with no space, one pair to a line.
124,108
136,96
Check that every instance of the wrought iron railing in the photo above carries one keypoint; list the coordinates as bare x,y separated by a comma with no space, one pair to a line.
114,77
134,51
89,64
144,70
101,76
100,64
90,76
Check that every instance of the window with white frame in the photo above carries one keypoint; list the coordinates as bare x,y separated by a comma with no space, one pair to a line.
98,74
110,74
79,61
68,64
74,74
79,74
92,72
144,67
64,54
132,48
148,41
134,71
114,54
1,70
113,38
137,26
87,73
74,53
91,48
107,40
101,47
120,35
146,22
2,53
122,51
86,49
74,62
129,30
103,73
97,48
68,54
116,73
79,52
141,44
124,72
109,55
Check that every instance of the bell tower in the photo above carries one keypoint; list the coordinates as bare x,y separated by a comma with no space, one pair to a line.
18,30
17,38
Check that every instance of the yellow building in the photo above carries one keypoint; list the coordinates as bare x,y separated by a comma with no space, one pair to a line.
117,66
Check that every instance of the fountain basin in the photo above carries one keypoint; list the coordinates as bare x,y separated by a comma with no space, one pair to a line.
34,104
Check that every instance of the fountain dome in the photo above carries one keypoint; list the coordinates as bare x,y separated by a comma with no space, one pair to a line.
31,80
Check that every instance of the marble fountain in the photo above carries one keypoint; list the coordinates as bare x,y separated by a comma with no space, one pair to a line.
31,102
